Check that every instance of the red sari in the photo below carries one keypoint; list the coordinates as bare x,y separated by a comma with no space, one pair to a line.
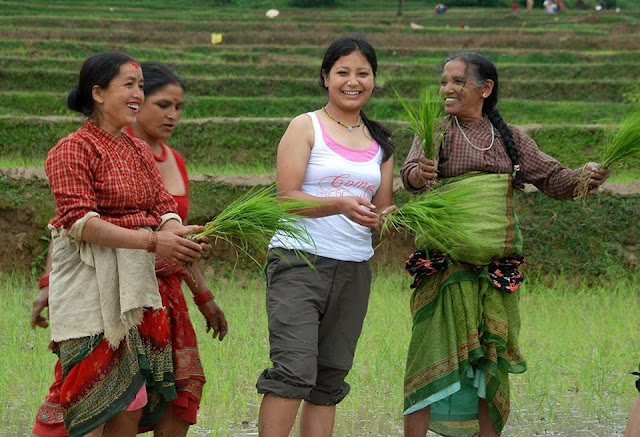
189,374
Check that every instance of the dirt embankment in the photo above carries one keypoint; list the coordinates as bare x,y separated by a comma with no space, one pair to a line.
23,227
30,173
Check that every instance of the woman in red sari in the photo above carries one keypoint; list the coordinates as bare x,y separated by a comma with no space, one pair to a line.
155,122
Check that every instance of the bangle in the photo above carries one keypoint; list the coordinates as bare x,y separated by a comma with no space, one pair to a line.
44,281
152,242
202,297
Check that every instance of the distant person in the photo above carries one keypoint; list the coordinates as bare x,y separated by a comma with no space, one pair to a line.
550,6
342,161
515,9
529,5
440,9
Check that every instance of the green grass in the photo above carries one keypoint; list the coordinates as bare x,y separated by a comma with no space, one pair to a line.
578,341
266,86
249,146
580,305
515,111
293,68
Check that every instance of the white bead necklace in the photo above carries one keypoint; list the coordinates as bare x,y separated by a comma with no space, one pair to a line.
481,149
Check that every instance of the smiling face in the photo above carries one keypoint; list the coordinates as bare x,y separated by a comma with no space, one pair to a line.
462,95
117,105
161,112
350,82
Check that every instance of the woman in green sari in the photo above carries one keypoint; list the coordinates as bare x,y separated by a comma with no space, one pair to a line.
465,312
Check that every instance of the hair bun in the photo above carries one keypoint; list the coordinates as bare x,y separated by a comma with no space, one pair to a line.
73,99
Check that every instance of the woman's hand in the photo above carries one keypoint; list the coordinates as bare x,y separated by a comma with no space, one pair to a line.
39,304
425,174
215,318
359,210
173,247
597,175
203,241
383,215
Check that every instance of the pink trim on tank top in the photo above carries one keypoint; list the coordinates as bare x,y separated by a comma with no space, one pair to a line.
355,155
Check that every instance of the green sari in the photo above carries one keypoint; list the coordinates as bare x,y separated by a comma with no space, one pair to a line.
464,341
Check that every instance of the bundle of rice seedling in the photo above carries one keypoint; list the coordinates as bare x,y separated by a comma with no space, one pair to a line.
423,119
436,218
469,217
251,220
619,147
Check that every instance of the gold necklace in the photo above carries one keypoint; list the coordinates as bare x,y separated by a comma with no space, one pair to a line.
350,128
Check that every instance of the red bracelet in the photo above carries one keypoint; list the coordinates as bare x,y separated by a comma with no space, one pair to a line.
202,297
152,242
44,281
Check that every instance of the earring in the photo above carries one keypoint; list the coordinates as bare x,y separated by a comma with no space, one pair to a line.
484,95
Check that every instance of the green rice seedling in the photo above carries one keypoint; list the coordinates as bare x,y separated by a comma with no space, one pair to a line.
625,143
423,119
435,218
619,147
252,220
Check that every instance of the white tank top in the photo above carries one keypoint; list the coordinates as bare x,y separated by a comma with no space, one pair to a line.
329,174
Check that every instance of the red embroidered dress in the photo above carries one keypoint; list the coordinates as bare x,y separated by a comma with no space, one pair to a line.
90,170
188,371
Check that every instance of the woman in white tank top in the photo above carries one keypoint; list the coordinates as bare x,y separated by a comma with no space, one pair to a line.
343,162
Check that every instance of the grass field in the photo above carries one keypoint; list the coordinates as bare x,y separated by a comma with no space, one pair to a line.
566,79
578,341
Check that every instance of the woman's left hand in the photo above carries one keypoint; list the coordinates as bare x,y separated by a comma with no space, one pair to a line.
215,319
597,177
203,241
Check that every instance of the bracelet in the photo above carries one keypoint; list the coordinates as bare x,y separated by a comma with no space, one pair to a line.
44,281
202,297
152,242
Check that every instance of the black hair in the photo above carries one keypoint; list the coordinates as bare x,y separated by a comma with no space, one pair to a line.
99,70
482,69
158,75
343,47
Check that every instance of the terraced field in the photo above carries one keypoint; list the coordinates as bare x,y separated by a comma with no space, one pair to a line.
566,79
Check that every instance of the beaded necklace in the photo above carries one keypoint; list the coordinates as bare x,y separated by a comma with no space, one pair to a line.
163,156
481,149
350,128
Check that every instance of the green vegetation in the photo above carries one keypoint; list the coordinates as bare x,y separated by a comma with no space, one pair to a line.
590,90
250,221
566,79
246,146
573,380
